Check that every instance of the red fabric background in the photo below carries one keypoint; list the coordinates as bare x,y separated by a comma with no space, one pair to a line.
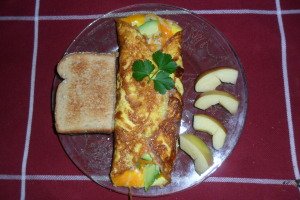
263,151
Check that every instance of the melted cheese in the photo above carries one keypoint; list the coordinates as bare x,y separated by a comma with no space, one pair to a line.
130,178
167,28
135,20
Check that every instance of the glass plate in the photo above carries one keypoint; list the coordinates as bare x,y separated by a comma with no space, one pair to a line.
203,48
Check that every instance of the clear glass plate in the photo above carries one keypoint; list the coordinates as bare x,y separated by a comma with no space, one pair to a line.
203,48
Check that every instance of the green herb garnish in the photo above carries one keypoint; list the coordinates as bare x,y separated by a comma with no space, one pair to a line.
141,69
164,62
161,78
163,82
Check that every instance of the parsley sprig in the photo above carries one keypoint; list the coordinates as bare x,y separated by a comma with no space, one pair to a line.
161,78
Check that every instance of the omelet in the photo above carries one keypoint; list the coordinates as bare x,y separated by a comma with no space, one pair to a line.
146,122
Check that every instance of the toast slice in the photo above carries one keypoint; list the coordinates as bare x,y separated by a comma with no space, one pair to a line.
85,99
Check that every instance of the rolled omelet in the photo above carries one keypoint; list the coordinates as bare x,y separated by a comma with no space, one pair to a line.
146,122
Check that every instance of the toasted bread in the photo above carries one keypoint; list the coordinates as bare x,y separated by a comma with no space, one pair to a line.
85,99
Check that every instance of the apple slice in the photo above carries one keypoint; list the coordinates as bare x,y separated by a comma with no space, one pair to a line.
198,150
227,100
212,126
212,78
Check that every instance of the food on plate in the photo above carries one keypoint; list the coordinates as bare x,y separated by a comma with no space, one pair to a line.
149,28
85,99
198,150
227,100
162,77
212,126
149,101
212,78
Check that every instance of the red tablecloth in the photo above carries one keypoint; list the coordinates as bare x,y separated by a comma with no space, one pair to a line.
265,162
